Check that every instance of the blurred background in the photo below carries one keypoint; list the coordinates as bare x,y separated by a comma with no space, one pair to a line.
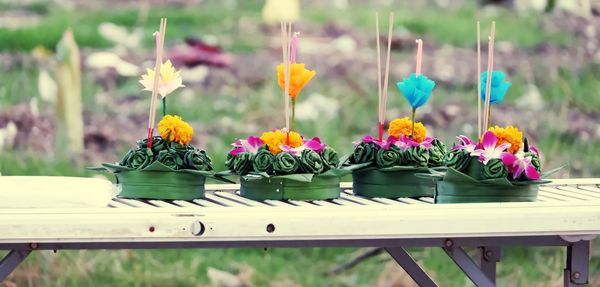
61,57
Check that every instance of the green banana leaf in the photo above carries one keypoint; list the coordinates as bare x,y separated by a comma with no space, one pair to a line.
157,181
393,182
293,186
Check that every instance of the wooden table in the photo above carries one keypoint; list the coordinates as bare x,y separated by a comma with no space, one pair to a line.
567,214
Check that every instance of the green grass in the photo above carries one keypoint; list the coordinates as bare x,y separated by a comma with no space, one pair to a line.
518,267
210,19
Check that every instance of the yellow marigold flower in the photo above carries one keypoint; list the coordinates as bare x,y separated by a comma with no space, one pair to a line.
511,135
168,82
275,139
403,126
174,129
299,77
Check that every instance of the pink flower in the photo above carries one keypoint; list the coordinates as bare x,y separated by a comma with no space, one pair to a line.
384,144
251,144
534,150
465,143
488,149
313,144
519,163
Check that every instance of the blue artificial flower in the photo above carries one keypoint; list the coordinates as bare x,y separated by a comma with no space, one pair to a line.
416,89
498,89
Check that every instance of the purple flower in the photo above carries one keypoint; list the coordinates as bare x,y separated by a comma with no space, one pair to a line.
314,144
465,143
295,151
384,144
519,163
534,150
488,149
251,144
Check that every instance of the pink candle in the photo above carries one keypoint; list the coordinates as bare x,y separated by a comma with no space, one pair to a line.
419,56
293,47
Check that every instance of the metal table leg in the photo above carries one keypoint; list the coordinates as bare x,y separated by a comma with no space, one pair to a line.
578,259
489,256
411,267
468,266
11,261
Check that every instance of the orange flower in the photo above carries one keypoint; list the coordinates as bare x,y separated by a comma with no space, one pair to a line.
299,77
403,127
511,135
275,139
174,129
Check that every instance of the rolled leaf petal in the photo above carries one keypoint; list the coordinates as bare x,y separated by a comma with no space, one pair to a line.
285,163
330,158
388,157
263,161
311,162
242,163
197,160
364,152
139,158
170,158
495,168
458,159
417,156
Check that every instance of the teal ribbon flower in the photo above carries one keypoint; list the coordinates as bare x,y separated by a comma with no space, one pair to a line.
416,89
498,88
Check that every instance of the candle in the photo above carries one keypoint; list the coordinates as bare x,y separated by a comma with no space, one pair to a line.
293,47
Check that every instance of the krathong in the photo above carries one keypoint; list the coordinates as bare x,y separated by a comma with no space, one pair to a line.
282,163
386,166
166,166
499,165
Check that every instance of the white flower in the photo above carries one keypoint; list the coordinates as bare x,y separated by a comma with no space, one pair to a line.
169,80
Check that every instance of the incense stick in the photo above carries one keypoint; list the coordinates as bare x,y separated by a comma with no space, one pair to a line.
287,75
478,80
490,69
387,66
158,63
379,107
285,49
419,56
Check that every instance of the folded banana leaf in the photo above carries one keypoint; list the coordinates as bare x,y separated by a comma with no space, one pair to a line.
457,187
392,182
293,186
157,181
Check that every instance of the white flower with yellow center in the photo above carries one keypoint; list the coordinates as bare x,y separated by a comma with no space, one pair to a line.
168,82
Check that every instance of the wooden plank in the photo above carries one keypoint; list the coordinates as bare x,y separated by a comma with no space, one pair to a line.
562,195
136,203
354,198
588,194
187,204
208,203
589,188
225,201
119,204
321,223
227,195
162,203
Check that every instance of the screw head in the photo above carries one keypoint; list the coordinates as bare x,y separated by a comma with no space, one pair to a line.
448,243
575,275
